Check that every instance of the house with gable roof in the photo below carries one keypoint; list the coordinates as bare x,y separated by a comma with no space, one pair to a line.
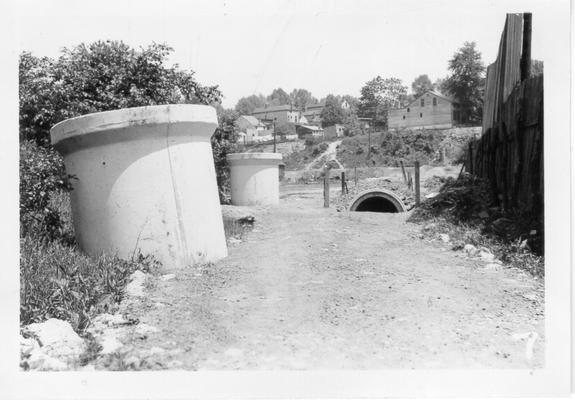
431,110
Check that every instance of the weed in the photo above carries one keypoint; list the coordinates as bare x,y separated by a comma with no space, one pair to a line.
464,210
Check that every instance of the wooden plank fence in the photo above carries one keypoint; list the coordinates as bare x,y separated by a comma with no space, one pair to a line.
510,151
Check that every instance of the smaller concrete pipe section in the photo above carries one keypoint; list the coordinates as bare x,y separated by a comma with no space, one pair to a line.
377,200
254,178
146,182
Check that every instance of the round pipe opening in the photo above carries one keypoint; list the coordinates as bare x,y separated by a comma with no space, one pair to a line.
379,200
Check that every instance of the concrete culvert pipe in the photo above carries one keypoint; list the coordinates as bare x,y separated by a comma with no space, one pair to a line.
254,178
378,200
146,182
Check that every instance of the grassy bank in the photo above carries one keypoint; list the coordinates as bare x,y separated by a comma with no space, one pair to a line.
464,210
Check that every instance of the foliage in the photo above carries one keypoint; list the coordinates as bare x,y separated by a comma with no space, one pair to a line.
301,98
388,148
41,174
100,76
278,97
440,85
377,96
58,281
224,143
536,67
466,82
420,85
332,113
285,128
247,105
464,210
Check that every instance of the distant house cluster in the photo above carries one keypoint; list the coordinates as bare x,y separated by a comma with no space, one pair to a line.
431,110
258,127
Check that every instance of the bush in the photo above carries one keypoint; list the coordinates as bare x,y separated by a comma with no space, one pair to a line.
41,176
58,281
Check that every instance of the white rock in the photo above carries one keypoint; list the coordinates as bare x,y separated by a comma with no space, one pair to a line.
167,277
156,350
109,342
42,362
492,267
144,330
486,256
57,338
470,249
136,286
109,320
27,346
444,237
431,195
233,240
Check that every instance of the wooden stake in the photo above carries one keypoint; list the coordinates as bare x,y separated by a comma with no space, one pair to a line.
326,187
417,195
403,171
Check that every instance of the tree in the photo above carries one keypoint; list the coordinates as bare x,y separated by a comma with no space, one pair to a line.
301,98
466,82
279,97
100,76
420,85
224,143
247,105
536,67
377,96
332,113
440,85
285,128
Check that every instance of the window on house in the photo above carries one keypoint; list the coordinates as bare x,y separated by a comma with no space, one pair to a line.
404,117
420,115
435,101
407,109
422,102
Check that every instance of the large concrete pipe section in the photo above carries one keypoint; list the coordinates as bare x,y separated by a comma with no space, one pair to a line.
377,200
146,182
254,178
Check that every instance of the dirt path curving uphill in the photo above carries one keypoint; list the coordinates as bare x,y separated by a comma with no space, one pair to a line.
310,288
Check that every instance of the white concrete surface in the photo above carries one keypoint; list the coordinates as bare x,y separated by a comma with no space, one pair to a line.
146,182
254,178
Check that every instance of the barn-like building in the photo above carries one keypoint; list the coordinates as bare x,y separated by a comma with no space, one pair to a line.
431,110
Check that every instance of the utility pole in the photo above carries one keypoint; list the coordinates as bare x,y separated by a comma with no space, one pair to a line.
275,134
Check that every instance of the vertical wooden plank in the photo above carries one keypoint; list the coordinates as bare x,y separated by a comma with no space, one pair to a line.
417,194
526,50
326,186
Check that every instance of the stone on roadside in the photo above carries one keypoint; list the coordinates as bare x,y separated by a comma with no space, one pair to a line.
470,249
444,237
40,361
136,286
142,330
57,338
109,342
167,277
491,267
240,214
486,256
27,346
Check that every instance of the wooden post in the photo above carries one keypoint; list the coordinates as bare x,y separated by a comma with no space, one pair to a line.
409,181
525,63
326,186
417,195
343,185
355,175
403,172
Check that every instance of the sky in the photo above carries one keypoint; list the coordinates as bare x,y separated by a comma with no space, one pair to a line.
251,47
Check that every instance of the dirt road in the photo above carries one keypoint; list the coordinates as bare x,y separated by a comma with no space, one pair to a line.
310,288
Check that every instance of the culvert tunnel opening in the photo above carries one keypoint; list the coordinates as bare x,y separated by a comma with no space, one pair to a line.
376,204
